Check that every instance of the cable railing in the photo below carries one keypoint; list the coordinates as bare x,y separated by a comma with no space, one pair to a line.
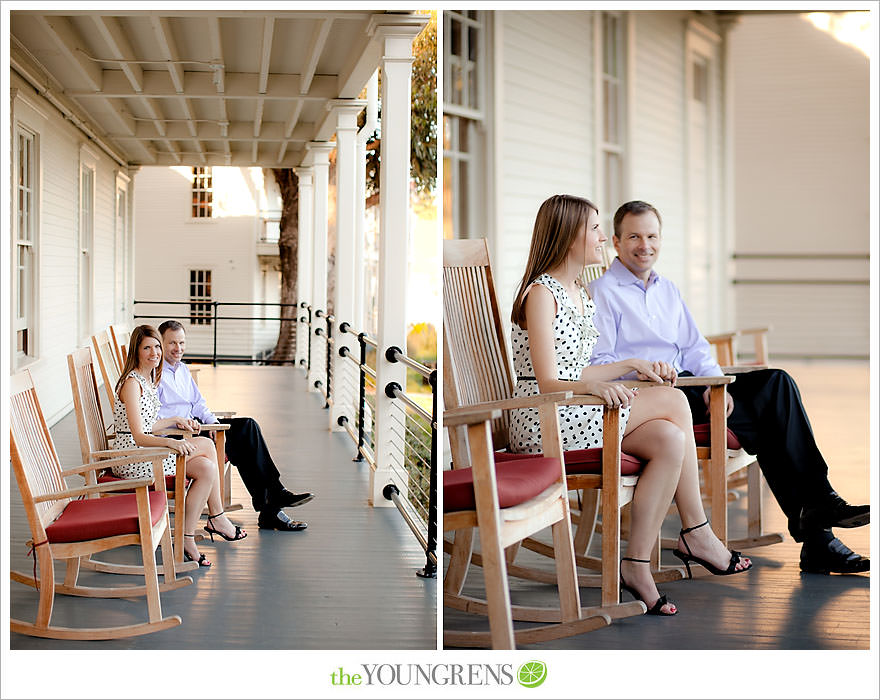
413,484
324,330
203,314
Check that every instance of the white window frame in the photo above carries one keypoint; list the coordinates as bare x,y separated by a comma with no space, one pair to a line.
199,304
612,195
198,187
85,244
121,247
25,292
467,120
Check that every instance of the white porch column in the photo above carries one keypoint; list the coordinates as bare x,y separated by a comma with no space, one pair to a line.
361,188
319,159
396,64
344,376
305,219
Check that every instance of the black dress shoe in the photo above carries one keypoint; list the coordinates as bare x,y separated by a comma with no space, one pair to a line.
834,512
832,557
288,499
278,520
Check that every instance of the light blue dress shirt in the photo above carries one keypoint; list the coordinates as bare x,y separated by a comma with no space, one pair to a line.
179,395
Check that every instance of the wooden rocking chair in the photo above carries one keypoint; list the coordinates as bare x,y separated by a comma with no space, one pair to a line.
119,336
476,370
64,526
108,364
508,501
94,446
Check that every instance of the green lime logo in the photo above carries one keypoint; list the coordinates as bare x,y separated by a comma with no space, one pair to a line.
532,673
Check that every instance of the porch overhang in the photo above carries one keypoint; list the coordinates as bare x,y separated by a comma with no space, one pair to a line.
201,88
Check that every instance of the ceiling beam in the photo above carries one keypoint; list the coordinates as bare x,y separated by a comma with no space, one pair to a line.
212,131
316,48
117,43
200,85
72,48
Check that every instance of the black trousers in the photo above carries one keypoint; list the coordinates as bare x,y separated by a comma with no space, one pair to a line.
770,422
247,450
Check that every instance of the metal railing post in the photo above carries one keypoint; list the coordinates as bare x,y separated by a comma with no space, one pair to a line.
329,320
309,343
214,323
362,396
430,570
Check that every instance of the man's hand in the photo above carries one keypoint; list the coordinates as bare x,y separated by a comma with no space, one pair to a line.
729,402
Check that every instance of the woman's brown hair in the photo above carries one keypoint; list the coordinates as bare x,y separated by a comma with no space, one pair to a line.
556,226
131,357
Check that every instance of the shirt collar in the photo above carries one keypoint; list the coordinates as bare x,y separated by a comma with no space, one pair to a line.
624,277
173,367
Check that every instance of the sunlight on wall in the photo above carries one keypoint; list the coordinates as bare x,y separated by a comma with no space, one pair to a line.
238,191
852,28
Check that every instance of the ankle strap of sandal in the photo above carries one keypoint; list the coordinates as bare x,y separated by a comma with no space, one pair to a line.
640,561
686,530
216,515
193,535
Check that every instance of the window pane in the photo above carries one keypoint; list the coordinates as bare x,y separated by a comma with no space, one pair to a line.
701,81
455,37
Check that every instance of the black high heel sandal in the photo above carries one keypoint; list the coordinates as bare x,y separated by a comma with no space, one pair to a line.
657,608
209,528
735,557
202,560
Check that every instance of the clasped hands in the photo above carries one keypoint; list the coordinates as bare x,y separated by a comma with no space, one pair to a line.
615,394
184,446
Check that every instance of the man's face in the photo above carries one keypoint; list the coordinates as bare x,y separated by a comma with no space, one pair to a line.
639,243
174,344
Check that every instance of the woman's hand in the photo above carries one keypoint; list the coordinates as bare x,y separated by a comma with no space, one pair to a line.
658,371
611,393
187,424
183,447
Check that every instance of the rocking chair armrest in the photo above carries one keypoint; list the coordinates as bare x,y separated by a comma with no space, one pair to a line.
147,452
721,337
591,400
742,369
121,485
519,402
224,414
704,381
469,415
117,462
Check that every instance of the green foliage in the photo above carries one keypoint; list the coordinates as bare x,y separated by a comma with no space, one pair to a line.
423,143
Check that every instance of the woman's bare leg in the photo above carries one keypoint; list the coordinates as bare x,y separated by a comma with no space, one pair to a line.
670,404
211,476
661,444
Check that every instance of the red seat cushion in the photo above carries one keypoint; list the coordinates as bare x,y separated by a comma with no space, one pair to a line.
701,435
518,481
93,518
581,461
108,477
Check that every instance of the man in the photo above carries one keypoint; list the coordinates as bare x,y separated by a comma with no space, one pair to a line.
245,445
641,314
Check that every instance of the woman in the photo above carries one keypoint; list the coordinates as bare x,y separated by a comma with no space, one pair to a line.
134,417
553,336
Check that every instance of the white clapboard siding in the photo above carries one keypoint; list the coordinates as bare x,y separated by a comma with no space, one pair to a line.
58,208
170,243
545,125
802,182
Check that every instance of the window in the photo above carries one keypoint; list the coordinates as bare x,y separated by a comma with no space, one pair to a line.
203,193
200,297
25,282
88,165
612,118
463,122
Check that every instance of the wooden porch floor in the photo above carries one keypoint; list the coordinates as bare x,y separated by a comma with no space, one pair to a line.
774,606
347,582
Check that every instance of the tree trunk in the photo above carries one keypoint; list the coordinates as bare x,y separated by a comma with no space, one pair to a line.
288,247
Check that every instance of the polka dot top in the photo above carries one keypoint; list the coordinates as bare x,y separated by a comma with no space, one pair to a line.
575,336
148,405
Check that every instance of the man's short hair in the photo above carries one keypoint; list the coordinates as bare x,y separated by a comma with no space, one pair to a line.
635,207
169,326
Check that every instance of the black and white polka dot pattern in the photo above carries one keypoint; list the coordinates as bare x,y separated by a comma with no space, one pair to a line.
575,335
149,410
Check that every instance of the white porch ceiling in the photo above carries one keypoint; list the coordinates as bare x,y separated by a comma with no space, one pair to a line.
200,88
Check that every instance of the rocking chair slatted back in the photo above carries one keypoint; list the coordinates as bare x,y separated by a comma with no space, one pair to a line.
107,362
472,330
34,459
89,419
119,336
